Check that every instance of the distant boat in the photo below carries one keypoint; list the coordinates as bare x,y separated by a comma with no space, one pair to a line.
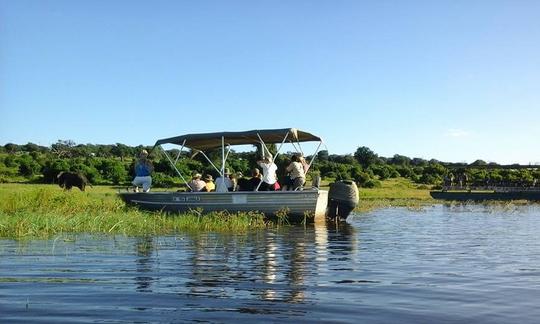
487,193
310,202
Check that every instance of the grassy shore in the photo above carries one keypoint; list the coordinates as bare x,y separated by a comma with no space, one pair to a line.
33,211
394,193
30,211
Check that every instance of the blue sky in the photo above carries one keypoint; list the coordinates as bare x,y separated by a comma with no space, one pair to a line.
451,80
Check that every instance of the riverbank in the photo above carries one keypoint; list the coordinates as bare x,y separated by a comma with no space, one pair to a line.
394,193
30,211
34,210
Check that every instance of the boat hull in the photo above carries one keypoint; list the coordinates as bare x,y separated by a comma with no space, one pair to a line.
481,196
296,203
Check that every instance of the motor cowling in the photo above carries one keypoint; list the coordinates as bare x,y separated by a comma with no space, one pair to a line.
342,199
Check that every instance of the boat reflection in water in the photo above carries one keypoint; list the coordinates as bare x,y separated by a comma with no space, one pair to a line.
269,265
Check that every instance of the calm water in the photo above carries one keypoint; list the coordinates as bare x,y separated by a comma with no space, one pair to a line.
442,264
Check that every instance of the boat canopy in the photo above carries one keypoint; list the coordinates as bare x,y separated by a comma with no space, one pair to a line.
208,141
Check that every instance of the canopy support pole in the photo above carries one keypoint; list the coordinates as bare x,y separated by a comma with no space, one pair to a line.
209,161
222,173
314,156
224,156
174,165
181,149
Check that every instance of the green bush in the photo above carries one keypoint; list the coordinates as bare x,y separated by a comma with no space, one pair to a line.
372,183
160,179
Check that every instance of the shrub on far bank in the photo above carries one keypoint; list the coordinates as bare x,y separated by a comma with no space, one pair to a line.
372,183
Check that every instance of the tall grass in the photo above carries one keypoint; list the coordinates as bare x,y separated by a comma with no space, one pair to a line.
32,211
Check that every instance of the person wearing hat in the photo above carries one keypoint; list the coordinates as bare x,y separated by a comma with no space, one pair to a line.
224,183
143,171
196,184
210,185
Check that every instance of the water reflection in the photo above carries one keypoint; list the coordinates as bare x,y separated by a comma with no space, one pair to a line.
342,242
144,248
270,265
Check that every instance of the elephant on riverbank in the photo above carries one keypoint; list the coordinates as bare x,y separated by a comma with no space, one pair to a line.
68,180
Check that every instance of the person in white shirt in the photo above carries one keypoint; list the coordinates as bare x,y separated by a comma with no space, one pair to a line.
269,177
224,183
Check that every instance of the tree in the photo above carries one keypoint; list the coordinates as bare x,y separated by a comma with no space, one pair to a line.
121,151
479,163
322,155
63,148
31,147
365,156
11,148
27,166
113,170
418,162
400,160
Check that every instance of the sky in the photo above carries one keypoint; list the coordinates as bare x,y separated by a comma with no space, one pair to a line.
454,80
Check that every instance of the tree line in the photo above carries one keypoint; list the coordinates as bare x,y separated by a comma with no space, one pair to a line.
113,165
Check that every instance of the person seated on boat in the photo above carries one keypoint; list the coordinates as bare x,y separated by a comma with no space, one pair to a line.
297,174
243,183
237,179
196,184
256,178
224,183
269,177
234,181
210,185
143,171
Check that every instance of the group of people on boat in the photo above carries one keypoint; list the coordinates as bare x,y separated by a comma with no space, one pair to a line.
263,179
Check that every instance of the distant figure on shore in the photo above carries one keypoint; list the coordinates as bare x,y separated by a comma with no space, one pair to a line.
463,178
143,171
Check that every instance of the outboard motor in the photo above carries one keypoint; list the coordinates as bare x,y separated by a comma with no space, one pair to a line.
342,199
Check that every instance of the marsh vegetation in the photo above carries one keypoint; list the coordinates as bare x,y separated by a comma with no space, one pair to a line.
30,211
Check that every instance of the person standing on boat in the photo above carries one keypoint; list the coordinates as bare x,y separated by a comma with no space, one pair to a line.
143,171
297,173
269,177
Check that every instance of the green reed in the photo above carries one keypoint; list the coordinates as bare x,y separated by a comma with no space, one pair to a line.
28,211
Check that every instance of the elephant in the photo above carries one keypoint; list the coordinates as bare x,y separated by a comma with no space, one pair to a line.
68,180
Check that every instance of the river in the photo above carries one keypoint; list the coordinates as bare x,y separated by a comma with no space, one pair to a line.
439,264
